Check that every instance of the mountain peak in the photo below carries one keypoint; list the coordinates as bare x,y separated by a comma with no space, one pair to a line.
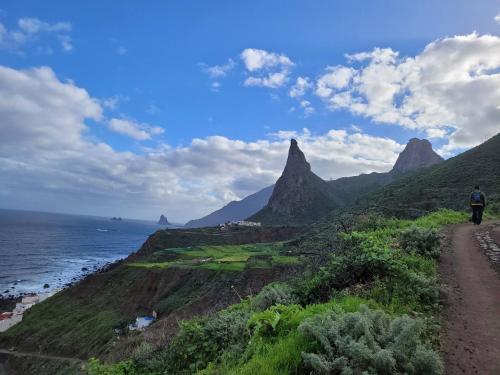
296,162
299,195
417,154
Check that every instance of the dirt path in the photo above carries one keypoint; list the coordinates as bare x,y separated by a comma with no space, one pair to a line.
41,356
471,343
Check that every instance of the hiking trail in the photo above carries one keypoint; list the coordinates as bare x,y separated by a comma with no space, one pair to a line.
470,271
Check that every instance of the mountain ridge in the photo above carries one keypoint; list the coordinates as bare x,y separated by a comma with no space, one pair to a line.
444,185
418,153
235,210
326,196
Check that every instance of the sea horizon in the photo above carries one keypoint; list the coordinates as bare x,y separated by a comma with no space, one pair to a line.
56,249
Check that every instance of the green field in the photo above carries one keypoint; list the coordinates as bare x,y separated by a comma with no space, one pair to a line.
220,258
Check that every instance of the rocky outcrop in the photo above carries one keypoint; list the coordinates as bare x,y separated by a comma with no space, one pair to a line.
163,220
299,195
417,154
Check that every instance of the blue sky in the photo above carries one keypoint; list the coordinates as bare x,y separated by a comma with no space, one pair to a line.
149,64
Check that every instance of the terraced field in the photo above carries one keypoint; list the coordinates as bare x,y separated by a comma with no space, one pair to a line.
220,257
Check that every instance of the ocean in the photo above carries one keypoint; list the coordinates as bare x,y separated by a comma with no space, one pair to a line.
44,248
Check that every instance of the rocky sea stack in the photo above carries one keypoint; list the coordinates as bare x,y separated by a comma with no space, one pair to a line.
163,220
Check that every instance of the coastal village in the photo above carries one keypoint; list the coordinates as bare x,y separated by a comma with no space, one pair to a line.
10,318
238,223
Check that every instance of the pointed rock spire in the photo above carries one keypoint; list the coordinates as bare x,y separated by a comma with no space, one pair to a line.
296,162
163,220
298,188
417,154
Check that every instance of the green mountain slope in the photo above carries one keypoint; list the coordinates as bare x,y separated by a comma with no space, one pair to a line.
177,273
446,185
300,197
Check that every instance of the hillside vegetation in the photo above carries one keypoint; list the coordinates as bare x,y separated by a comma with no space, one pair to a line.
446,185
177,273
370,305
219,257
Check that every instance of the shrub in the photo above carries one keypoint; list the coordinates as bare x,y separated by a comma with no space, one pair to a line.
408,291
493,207
273,294
203,340
96,367
358,260
368,342
276,320
422,241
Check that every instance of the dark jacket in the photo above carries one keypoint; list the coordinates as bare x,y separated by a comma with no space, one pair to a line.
482,201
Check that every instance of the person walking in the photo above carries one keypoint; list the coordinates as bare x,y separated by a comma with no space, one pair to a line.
477,202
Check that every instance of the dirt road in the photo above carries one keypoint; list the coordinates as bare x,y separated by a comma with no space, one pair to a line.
471,317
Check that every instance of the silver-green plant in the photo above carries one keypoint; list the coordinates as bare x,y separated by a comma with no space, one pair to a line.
368,342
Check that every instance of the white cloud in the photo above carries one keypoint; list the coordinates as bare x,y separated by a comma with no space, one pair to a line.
66,42
434,133
257,59
31,29
218,71
35,26
497,18
133,129
451,89
272,80
356,128
50,160
110,103
307,107
337,77
299,89
380,55
273,69
215,86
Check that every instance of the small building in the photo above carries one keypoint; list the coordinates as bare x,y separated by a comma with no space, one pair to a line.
6,315
141,322
245,223
239,223
31,299
22,307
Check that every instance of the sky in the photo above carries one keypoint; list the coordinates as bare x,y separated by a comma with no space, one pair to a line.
142,108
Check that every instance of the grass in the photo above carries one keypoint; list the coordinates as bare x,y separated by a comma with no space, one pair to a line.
228,266
219,258
76,323
392,279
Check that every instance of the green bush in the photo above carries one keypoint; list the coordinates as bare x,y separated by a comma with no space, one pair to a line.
203,340
493,207
409,291
273,294
96,367
275,321
422,241
368,342
359,259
